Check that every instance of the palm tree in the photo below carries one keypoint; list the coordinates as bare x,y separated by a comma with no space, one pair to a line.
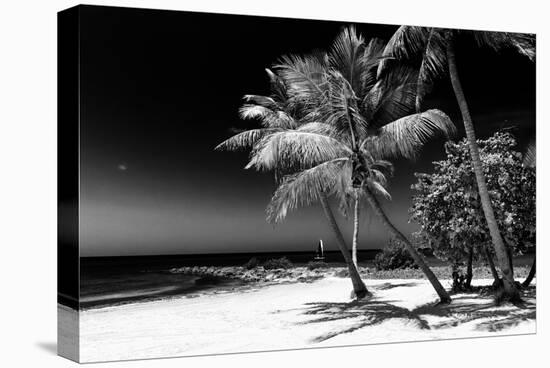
349,121
434,52
279,113
311,185
317,184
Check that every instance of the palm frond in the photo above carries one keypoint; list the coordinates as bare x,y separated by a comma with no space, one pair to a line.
295,149
369,65
433,64
407,43
320,128
378,176
346,56
245,140
269,118
404,137
251,111
304,76
378,188
340,109
304,188
392,97
278,87
384,166
524,43
264,101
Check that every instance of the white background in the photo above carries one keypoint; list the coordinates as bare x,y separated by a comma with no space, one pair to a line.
28,181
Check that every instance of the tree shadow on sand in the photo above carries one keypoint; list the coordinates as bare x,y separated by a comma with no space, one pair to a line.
371,312
389,285
465,308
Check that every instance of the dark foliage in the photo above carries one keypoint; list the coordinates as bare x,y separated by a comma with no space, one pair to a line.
275,263
448,209
394,257
252,263
313,265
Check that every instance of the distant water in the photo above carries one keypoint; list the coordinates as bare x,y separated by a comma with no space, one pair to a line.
107,281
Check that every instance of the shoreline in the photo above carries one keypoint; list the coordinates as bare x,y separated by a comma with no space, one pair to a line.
214,280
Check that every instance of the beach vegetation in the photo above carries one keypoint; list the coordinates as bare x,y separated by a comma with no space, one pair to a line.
315,265
276,263
252,263
329,127
394,257
433,52
448,207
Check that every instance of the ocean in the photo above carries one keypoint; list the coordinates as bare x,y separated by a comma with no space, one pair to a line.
108,281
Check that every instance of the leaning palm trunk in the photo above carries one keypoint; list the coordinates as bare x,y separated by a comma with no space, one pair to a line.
441,292
355,230
531,274
510,290
359,287
491,264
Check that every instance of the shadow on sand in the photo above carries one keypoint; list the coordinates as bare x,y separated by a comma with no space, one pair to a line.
389,285
465,308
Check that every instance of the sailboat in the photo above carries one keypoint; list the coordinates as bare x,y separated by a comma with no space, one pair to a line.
320,255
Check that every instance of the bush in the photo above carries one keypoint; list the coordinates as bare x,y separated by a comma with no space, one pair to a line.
252,263
343,272
394,257
426,252
447,206
313,265
275,263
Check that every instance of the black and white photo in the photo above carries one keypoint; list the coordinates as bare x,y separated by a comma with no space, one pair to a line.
232,183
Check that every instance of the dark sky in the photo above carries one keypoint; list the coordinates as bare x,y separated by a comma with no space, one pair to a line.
161,89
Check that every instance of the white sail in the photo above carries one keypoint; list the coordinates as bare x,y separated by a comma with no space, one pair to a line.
320,255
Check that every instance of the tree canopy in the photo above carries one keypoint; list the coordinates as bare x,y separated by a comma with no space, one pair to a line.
447,205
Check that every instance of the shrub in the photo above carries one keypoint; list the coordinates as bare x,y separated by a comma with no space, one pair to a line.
275,263
461,280
394,257
426,252
313,265
447,207
343,272
252,263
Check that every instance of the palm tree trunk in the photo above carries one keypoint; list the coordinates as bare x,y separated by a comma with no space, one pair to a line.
443,295
510,290
531,274
359,287
355,230
491,264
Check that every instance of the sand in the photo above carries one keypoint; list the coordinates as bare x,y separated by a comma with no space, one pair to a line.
294,315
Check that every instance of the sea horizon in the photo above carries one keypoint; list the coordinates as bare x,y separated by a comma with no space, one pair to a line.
236,255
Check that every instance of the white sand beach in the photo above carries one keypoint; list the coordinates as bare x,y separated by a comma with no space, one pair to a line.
294,315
